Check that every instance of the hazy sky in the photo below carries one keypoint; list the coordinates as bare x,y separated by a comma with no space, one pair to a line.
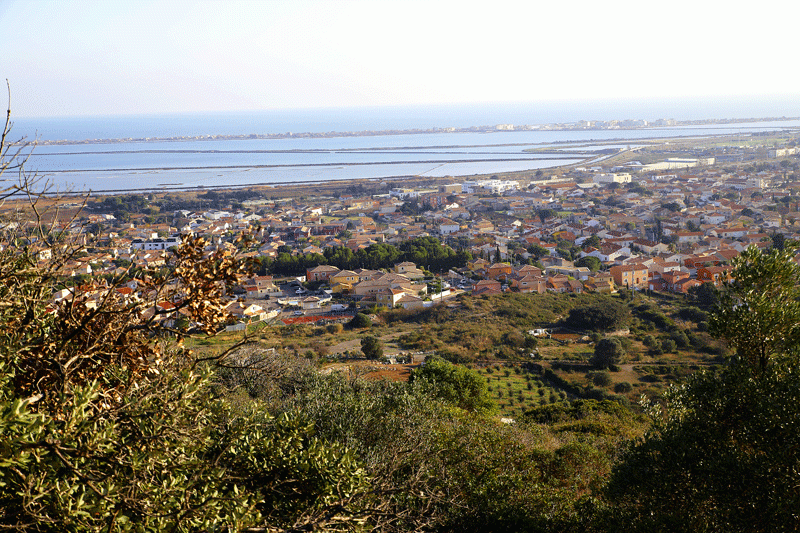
137,56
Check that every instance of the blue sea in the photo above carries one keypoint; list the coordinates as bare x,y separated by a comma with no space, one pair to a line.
402,118
186,164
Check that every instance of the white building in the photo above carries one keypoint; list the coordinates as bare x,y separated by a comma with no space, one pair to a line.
156,244
612,177
494,186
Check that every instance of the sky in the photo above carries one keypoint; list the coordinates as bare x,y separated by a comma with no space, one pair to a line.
84,58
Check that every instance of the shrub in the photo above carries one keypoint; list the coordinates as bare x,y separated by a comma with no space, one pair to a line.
608,352
694,314
681,339
623,387
360,321
601,379
669,345
604,315
372,347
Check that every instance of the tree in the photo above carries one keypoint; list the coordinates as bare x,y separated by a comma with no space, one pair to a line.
705,295
544,214
589,261
455,384
608,352
372,347
759,312
605,315
593,241
538,251
722,456
778,241
723,453
107,425
360,321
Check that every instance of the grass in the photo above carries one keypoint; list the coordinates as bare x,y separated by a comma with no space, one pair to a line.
490,330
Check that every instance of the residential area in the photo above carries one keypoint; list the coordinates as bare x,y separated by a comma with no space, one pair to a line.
596,229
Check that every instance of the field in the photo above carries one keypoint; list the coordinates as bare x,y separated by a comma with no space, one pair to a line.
664,341
516,389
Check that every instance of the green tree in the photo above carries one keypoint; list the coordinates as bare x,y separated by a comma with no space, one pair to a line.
593,241
546,213
705,295
779,241
360,321
455,384
759,312
372,347
721,457
608,352
107,426
604,315
590,262
538,251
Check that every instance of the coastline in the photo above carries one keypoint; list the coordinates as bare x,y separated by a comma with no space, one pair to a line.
572,126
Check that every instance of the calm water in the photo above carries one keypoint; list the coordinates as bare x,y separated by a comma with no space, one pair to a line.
218,163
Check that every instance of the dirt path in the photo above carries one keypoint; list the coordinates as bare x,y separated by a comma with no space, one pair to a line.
355,344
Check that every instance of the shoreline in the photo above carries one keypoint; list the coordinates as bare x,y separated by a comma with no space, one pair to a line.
572,126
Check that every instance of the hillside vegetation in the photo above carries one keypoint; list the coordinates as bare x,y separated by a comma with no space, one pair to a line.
110,422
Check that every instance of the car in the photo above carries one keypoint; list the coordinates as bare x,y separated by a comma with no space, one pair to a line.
298,313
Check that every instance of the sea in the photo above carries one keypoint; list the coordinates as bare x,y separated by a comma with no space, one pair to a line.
207,162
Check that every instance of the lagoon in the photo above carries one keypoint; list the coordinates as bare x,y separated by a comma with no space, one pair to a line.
184,164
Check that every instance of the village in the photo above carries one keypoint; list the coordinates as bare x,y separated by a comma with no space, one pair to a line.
665,227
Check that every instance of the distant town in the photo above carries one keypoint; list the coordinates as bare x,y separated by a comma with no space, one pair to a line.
662,218
580,125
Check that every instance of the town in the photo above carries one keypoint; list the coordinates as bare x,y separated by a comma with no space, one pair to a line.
664,226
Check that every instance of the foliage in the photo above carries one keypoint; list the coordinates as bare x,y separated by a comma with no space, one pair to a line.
575,410
372,347
106,425
693,313
590,262
167,456
601,379
568,250
759,312
705,295
455,384
723,457
74,340
360,320
436,468
604,315
425,252
546,213
608,353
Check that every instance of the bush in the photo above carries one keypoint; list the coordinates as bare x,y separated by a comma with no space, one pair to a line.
455,384
669,345
623,387
681,339
360,321
601,379
693,314
372,347
607,353
604,315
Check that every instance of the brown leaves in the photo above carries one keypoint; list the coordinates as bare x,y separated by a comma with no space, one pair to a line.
97,329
